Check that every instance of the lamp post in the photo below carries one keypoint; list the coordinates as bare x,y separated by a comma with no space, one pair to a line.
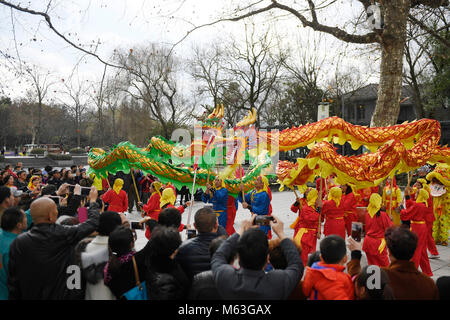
324,105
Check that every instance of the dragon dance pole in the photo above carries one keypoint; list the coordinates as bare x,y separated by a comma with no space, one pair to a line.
135,189
390,201
192,196
319,227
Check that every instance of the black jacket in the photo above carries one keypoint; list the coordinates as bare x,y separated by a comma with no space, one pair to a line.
203,287
166,280
39,260
247,284
71,209
193,255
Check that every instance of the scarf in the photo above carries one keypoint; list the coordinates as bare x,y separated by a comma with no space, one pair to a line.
336,195
30,184
118,184
157,187
122,259
374,204
422,197
312,197
167,196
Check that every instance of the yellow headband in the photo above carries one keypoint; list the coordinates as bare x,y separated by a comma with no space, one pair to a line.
118,184
374,204
312,197
167,196
265,182
423,196
157,187
222,184
335,194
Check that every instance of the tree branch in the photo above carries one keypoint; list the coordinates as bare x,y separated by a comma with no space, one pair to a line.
50,25
428,29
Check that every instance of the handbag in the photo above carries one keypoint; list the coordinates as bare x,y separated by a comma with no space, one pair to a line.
139,292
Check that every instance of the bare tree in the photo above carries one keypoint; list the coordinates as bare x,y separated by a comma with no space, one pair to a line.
151,77
76,97
256,67
41,82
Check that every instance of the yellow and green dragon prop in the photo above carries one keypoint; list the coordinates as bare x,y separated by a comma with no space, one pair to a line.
394,149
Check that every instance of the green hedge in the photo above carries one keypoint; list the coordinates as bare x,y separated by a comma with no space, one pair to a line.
77,151
37,151
57,156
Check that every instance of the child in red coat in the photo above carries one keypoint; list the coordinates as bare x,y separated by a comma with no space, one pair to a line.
326,280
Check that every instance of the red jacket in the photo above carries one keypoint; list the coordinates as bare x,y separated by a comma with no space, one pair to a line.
328,282
375,228
117,202
152,208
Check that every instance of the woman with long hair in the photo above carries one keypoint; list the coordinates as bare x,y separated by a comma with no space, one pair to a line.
119,274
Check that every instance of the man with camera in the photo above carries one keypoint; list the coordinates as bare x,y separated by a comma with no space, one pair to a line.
40,258
250,281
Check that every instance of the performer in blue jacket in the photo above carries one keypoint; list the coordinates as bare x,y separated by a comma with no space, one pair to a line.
258,200
218,196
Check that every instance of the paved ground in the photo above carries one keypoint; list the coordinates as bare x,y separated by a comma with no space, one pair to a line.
281,204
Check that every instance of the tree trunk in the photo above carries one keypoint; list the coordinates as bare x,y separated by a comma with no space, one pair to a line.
38,129
391,69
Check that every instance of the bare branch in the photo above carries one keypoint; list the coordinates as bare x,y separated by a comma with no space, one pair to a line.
50,25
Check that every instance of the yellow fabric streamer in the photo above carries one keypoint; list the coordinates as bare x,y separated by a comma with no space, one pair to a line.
382,245
374,204
336,195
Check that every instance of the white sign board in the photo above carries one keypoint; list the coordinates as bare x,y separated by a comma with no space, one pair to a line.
323,111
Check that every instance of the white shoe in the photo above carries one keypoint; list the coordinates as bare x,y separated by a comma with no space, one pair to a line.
434,256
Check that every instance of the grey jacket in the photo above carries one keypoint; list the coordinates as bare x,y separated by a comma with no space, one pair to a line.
234,284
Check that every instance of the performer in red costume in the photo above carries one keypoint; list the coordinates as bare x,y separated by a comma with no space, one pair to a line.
416,212
325,186
305,229
116,197
363,195
348,203
377,222
429,217
168,199
152,208
333,213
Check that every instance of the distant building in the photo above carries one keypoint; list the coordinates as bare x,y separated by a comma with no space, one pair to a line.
359,106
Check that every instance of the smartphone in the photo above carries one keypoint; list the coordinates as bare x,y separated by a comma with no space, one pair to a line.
84,190
263,220
357,231
191,233
135,225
